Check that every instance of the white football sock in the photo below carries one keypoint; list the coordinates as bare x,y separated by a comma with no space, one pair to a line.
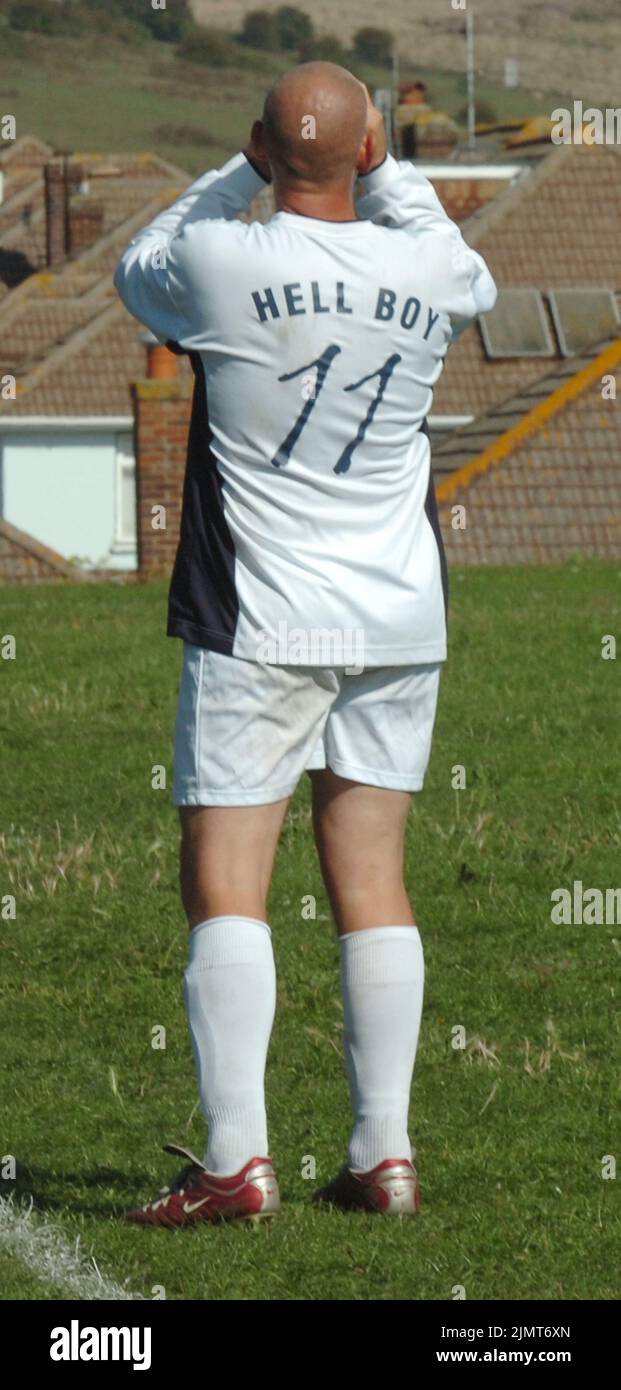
230,995
382,975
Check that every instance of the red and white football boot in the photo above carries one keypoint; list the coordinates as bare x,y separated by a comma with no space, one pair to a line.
391,1188
197,1196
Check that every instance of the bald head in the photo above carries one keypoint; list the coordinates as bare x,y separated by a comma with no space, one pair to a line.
314,122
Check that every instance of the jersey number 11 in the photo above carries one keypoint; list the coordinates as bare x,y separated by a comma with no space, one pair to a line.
323,364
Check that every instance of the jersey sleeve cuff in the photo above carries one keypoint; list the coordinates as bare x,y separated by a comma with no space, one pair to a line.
386,172
264,182
242,178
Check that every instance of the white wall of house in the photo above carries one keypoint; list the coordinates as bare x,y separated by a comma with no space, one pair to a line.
74,490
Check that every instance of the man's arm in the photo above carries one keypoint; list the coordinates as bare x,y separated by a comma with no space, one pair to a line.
398,195
151,277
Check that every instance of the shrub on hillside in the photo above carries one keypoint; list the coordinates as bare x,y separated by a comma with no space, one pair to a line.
168,28
374,45
209,46
294,27
260,30
214,48
325,48
45,17
167,25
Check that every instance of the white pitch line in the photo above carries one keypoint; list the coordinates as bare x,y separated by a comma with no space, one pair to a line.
45,1250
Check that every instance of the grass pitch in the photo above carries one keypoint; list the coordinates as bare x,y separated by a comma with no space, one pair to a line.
511,1130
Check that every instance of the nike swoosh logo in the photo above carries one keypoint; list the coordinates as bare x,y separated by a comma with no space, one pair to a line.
230,1192
189,1207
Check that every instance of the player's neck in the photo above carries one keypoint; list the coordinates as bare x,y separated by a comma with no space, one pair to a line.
329,205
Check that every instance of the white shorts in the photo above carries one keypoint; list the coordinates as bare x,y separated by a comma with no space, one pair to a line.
246,732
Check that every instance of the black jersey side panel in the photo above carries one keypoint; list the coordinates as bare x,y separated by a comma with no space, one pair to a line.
203,607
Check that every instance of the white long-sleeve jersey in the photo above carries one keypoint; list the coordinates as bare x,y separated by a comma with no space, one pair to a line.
308,500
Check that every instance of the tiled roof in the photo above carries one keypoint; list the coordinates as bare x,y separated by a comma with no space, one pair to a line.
539,478
27,151
462,197
40,327
123,184
471,384
64,334
558,227
91,373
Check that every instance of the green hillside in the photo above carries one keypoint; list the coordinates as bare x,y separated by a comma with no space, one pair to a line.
122,90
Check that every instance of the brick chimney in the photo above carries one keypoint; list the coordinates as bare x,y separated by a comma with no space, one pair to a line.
161,362
63,176
162,410
85,223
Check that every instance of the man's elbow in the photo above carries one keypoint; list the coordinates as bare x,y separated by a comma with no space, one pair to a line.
127,288
119,280
486,294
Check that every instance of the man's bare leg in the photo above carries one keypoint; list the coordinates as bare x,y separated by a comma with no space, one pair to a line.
226,859
360,837
359,832
227,854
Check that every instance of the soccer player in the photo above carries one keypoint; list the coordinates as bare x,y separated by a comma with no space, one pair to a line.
309,591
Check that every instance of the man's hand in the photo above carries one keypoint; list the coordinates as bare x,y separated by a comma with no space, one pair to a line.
376,135
255,152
